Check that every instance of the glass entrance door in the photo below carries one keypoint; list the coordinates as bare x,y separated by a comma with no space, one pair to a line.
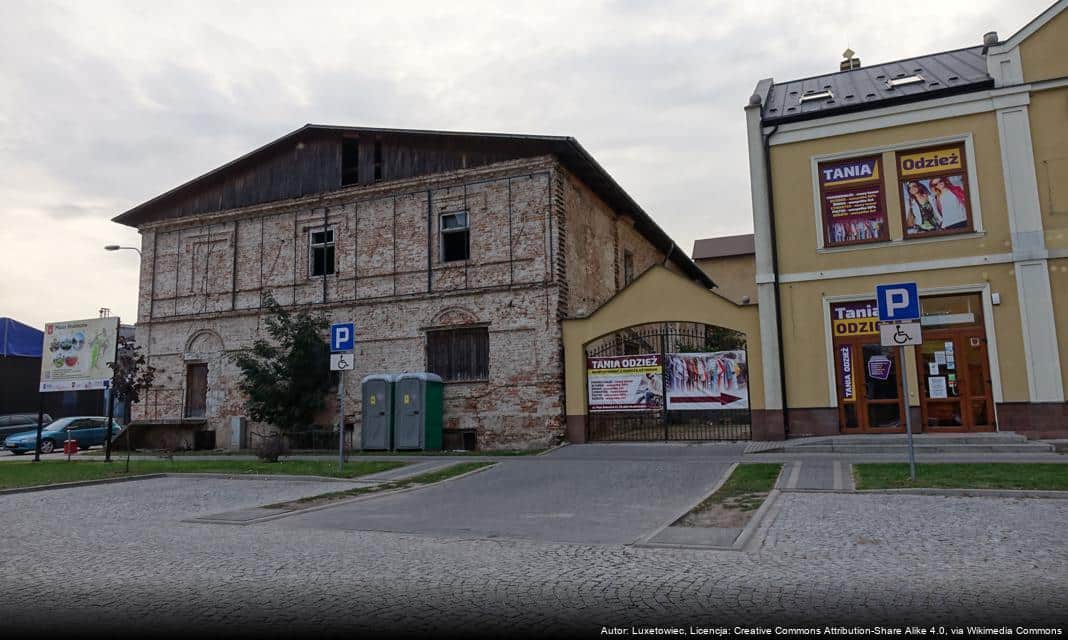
870,398
956,389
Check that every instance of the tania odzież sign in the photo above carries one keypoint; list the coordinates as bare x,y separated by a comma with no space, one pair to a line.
625,383
75,354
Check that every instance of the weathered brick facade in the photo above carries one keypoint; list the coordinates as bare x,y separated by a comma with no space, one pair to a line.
543,246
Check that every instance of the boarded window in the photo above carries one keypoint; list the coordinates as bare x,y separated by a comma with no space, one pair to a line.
350,161
458,354
455,237
196,390
321,252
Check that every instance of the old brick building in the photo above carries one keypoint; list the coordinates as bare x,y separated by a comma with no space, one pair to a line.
454,253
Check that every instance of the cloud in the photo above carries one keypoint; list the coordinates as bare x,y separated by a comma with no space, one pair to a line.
110,103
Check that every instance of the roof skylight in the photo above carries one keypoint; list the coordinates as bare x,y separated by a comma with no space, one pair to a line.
899,82
822,95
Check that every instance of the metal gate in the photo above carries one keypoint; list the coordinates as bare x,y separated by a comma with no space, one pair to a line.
669,421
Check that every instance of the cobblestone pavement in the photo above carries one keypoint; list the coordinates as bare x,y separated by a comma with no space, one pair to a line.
120,557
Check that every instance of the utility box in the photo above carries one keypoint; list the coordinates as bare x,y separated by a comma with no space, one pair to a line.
418,407
377,422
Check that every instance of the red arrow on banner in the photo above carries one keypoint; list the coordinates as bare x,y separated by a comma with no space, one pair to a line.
723,398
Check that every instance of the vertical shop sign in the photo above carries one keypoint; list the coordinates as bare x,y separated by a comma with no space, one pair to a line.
845,356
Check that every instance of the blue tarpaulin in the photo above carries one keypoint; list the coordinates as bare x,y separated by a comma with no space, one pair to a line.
19,340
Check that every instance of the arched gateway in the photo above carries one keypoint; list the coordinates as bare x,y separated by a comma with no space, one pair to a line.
665,359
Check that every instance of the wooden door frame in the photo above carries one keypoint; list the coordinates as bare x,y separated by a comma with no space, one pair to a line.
856,346
956,335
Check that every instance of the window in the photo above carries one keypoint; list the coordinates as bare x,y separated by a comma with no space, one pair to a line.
350,161
853,202
378,160
822,95
935,198
628,267
900,82
455,244
458,354
321,252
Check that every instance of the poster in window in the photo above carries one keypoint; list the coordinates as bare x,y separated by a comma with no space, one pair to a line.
851,193
625,383
702,381
934,191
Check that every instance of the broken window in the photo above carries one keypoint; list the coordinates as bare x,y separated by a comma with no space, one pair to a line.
458,354
350,161
321,252
455,241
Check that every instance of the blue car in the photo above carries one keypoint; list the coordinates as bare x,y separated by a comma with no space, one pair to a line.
87,430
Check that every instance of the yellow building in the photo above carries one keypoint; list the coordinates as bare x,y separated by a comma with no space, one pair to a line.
949,170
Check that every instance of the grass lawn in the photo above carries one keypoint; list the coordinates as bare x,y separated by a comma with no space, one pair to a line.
28,474
991,475
425,478
745,489
327,453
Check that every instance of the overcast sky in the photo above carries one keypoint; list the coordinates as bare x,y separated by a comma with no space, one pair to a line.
106,104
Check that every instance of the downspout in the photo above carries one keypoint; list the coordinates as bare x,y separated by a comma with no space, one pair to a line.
671,250
775,274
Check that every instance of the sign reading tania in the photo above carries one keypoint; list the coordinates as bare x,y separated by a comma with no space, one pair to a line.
625,383
75,354
852,195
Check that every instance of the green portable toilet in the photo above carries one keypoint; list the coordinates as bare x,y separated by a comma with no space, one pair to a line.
377,423
418,410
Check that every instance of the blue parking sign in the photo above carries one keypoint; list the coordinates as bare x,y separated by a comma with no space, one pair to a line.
342,337
898,301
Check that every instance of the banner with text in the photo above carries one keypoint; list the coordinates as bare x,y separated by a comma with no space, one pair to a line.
75,354
852,200
701,381
625,383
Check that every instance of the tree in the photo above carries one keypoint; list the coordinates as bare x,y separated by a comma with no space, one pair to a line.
131,375
285,379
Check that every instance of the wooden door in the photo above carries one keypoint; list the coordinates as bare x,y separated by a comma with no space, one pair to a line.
870,398
196,390
955,388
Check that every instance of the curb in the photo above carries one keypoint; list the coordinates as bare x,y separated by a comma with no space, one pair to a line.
643,540
970,493
336,503
81,483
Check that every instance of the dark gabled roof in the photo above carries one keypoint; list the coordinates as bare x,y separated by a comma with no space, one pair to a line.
724,247
946,73
565,148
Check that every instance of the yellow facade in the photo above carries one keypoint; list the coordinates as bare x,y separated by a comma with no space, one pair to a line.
735,277
1012,255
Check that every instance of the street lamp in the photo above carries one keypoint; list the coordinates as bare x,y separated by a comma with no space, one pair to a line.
115,247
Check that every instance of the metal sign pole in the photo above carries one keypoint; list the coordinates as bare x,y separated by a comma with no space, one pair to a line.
908,413
341,421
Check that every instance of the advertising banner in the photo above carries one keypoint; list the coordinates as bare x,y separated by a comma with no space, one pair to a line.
702,381
845,356
934,190
75,354
852,200
625,383
855,319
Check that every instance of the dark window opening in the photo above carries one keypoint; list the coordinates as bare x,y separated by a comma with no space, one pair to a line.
350,161
455,237
321,252
458,354
378,160
628,267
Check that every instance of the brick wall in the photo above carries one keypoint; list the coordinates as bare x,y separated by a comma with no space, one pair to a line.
203,277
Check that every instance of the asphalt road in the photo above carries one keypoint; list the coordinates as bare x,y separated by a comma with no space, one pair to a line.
597,494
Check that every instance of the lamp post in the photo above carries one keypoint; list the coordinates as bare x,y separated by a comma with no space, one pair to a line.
115,247
110,391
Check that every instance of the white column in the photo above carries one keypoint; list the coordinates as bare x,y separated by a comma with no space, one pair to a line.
1041,351
762,237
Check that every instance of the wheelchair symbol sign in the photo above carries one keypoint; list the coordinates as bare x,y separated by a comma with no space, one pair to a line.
341,361
900,334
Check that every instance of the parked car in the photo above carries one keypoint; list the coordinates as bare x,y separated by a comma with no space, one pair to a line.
89,431
13,423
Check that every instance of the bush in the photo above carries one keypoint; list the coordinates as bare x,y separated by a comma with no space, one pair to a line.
272,446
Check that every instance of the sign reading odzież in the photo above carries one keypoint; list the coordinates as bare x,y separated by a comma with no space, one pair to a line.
75,354
625,383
